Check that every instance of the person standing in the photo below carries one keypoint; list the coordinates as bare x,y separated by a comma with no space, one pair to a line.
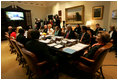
57,21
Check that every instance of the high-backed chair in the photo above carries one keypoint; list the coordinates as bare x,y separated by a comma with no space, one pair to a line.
92,66
33,64
19,55
12,49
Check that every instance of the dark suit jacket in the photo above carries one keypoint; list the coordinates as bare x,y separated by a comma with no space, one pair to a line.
86,38
97,30
92,51
77,30
71,35
20,38
114,36
40,50
45,30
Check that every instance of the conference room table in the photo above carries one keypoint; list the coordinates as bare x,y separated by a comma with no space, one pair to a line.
63,45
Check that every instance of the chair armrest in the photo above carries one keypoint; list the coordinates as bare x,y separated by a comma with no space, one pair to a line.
41,63
86,60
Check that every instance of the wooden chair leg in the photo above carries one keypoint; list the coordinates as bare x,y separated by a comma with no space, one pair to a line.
102,73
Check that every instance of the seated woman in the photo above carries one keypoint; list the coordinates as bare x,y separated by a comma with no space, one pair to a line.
13,34
39,49
21,38
57,31
102,39
50,30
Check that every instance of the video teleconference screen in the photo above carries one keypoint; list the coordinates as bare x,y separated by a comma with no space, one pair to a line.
14,15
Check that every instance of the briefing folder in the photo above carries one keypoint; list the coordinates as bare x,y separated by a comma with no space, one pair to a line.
68,50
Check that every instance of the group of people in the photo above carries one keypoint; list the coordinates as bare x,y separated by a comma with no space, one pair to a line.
85,35
55,21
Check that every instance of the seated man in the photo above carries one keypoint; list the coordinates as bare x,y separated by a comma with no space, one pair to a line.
39,49
57,31
102,39
69,33
9,30
113,37
45,29
21,38
98,28
77,29
85,37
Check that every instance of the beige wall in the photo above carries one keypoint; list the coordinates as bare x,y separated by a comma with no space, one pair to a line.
113,6
42,12
36,11
88,11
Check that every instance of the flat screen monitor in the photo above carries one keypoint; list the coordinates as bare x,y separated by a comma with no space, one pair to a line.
14,15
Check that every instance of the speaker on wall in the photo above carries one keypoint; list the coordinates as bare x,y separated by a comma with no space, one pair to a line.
50,17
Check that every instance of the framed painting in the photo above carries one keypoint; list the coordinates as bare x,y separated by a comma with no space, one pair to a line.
75,15
97,12
114,14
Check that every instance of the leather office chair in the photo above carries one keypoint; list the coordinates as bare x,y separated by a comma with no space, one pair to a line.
34,65
92,66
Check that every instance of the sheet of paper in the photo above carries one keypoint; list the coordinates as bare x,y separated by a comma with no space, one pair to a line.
53,44
78,46
58,46
72,40
45,41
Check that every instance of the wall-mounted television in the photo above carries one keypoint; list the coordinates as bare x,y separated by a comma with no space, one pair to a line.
12,15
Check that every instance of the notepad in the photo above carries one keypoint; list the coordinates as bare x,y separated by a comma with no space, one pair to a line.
68,50
53,44
45,41
72,40
58,46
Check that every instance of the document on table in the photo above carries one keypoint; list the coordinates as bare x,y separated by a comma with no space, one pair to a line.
72,40
45,41
74,48
78,46
53,44
58,46
68,50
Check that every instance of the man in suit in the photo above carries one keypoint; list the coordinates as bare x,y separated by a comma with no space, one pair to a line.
77,29
45,29
69,33
85,37
113,37
98,28
21,38
9,30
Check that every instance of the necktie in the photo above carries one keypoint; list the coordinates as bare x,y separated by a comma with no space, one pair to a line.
67,35
82,36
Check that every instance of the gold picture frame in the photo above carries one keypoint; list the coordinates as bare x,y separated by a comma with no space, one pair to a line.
97,12
74,15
